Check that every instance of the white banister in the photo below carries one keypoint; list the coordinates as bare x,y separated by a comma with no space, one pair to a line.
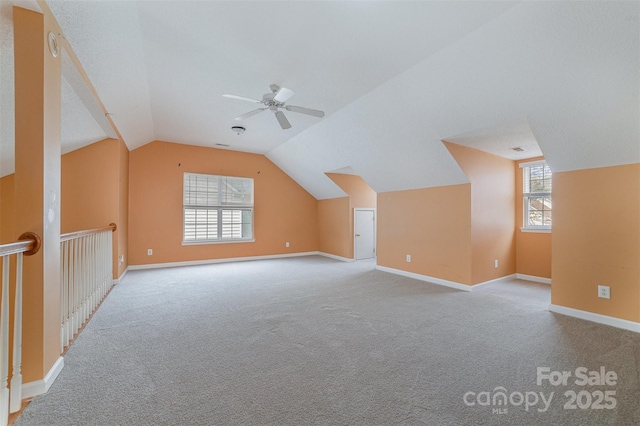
16,376
11,392
4,341
86,277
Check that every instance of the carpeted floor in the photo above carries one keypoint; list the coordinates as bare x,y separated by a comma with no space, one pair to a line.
313,341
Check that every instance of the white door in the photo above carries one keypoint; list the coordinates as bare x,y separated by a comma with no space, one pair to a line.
365,233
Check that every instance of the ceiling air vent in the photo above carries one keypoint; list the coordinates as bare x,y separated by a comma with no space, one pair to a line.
222,144
518,149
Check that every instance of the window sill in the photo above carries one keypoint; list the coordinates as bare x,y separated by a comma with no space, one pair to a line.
206,242
536,230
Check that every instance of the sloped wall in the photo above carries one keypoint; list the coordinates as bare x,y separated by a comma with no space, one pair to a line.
283,210
335,219
492,212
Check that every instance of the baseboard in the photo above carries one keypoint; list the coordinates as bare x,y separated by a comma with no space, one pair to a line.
599,318
432,280
333,256
38,387
534,278
224,260
119,280
495,280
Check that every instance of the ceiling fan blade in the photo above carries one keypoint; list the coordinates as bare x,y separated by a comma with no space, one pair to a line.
250,114
284,123
242,98
308,111
283,95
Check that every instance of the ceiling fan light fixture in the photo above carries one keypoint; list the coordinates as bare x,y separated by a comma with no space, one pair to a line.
238,130
274,101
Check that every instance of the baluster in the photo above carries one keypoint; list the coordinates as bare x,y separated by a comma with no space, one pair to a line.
94,273
76,287
90,282
16,374
87,277
4,343
70,289
100,262
105,272
109,259
85,281
63,279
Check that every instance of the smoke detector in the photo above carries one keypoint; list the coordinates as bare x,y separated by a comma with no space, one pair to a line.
238,130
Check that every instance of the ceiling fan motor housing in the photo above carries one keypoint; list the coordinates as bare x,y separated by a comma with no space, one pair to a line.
275,101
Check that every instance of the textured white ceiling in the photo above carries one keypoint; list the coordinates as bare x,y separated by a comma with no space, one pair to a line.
329,53
7,92
79,128
570,68
107,39
501,139
79,109
395,78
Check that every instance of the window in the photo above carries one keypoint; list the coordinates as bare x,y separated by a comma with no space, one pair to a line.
217,208
537,195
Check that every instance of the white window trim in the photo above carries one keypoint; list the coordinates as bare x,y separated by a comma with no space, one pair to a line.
532,163
205,242
536,230
540,229
250,207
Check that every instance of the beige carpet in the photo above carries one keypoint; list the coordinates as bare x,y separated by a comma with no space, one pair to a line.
313,341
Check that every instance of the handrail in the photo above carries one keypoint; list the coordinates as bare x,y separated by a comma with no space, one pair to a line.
78,234
28,243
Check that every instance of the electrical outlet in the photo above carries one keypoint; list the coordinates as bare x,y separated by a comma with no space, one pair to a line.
149,252
495,264
604,292
121,258
286,244
408,258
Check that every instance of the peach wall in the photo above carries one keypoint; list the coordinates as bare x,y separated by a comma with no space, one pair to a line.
492,211
596,240
7,206
334,227
433,225
123,209
360,195
283,212
90,186
92,192
533,249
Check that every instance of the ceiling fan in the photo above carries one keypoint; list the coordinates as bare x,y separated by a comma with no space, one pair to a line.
275,101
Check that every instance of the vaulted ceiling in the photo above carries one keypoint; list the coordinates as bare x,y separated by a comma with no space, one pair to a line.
394,78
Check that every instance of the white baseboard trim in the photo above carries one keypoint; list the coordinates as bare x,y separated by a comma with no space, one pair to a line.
599,318
333,256
224,260
38,387
533,278
495,280
432,280
119,280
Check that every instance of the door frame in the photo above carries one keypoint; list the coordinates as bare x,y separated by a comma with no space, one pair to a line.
375,232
